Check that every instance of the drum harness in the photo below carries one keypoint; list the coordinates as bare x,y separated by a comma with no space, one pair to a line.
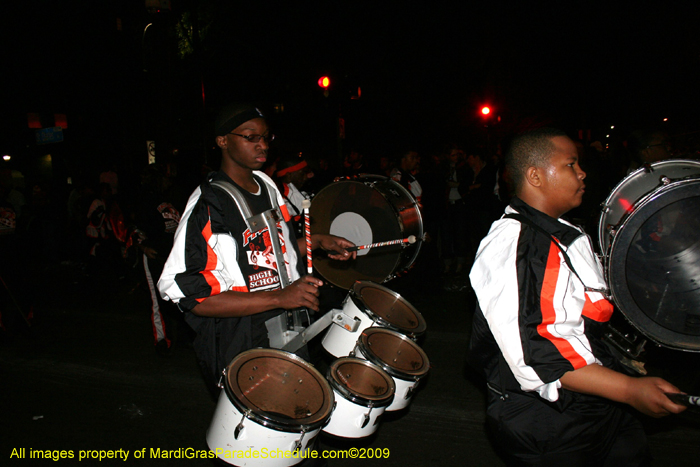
286,330
285,326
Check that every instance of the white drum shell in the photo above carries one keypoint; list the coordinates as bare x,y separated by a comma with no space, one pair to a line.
348,417
338,341
404,387
373,305
252,438
404,393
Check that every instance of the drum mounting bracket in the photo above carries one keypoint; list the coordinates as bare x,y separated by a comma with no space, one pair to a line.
630,344
346,322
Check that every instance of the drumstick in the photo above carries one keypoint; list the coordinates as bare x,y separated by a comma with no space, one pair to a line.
684,399
409,239
306,204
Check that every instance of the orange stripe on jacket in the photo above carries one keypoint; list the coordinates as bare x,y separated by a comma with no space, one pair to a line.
600,311
242,288
211,262
549,285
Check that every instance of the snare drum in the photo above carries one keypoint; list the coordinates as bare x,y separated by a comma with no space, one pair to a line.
372,305
366,210
362,393
649,236
399,356
273,402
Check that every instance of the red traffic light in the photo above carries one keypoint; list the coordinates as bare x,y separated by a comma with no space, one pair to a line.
324,82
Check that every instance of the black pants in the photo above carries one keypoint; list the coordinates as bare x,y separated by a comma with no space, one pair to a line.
589,432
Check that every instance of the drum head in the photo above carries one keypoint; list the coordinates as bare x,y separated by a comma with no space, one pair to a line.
654,265
390,308
394,353
280,390
361,381
367,210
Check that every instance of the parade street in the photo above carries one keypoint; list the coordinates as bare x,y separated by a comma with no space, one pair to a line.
86,386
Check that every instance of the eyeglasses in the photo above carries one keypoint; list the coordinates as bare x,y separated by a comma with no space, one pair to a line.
256,138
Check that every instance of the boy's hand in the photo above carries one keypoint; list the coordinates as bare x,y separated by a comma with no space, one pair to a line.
648,396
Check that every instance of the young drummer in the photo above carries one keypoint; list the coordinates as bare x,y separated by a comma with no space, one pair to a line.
555,395
223,274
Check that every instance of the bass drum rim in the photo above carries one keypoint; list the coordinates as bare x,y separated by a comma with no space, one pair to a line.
649,205
265,418
604,241
406,215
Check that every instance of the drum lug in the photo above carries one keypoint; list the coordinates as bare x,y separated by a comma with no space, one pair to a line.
297,443
240,426
409,393
220,384
365,417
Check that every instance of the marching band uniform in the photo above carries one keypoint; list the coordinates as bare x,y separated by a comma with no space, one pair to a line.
214,252
536,320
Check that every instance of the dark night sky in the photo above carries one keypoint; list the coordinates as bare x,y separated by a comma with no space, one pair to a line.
424,68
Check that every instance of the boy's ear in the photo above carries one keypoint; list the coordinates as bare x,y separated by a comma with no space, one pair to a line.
532,176
221,142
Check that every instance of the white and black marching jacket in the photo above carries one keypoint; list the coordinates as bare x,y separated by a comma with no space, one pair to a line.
534,313
214,252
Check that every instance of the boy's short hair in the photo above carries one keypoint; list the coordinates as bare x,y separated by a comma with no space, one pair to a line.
530,149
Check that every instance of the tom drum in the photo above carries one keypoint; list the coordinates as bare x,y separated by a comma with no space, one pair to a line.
272,403
372,305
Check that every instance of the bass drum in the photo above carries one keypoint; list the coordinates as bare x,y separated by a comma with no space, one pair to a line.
273,401
366,210
648,234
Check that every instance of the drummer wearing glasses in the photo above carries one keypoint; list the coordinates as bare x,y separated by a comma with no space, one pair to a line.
227,274
556,394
